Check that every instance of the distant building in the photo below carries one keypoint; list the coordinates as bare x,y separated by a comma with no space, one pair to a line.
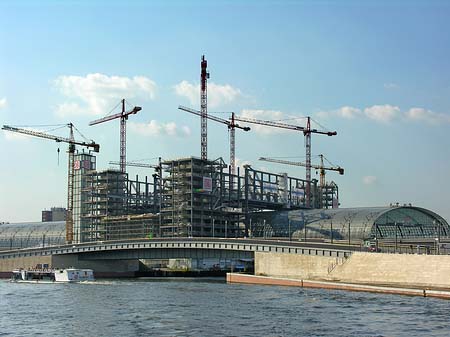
359,223
32,234
54,214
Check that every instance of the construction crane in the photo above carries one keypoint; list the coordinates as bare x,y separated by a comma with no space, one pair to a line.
204,75
320,167
123,115
306,132
72,142
231,124
143,165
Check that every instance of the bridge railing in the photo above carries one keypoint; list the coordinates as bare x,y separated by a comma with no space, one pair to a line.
220,244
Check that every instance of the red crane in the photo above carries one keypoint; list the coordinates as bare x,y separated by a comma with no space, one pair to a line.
204,108
72,142
231,127
306,132
123,115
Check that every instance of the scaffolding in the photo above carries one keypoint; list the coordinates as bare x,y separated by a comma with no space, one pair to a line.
130,226
105,195
109,194
189,197
192,194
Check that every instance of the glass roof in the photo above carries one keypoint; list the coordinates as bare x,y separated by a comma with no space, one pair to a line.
360,223
25,229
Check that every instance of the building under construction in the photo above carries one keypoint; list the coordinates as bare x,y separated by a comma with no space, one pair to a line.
186,197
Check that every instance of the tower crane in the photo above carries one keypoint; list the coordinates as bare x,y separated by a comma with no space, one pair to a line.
204,75
231,126
320,167
135,164
123,115
72,142
307,131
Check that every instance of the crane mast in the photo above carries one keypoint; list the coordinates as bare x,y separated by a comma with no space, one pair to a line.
204,108
123,115
322,171
70,182
70,176
231,126
307,133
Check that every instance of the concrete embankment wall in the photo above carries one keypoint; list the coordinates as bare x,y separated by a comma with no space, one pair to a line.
7,265
102,268
367,268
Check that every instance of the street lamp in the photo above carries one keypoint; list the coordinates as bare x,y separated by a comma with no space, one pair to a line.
396,236
264,228
289,228
331,231
349,233
438,238
226,223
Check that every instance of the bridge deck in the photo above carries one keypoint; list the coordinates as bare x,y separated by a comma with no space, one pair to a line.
243,245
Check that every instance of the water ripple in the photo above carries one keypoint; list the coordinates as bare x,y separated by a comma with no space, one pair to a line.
199,307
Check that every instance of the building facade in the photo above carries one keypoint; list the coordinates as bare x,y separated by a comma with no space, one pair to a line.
54,214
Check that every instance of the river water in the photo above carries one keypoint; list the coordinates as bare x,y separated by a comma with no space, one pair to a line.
210,307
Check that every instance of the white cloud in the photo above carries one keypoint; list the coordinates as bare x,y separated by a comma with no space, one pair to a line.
386,113
322,114
3,103
186,130
188,90
382,113
154,129
240,163
348,112
369,180
390,86
99,93
431,117
268,115
217,94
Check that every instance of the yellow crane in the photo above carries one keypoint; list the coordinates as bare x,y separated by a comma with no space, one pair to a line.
320,167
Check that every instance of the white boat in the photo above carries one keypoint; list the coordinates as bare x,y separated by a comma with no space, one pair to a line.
68,275
74,275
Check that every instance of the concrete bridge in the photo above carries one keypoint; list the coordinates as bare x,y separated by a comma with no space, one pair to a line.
306,261
121,258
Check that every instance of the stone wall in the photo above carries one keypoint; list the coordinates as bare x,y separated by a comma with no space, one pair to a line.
368,268
7,265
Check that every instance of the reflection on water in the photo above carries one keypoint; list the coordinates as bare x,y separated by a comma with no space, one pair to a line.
206,307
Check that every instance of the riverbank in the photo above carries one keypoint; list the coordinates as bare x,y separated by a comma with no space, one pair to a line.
266,280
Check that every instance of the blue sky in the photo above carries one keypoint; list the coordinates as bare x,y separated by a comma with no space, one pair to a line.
377,72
